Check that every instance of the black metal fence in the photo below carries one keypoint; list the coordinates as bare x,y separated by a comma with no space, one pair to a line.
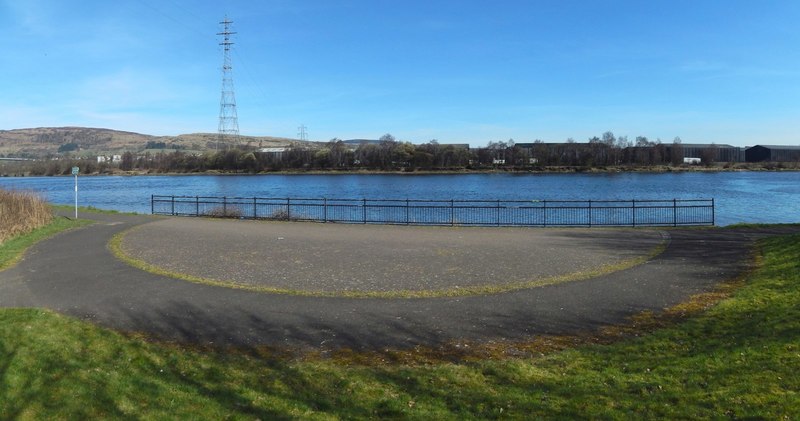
532,213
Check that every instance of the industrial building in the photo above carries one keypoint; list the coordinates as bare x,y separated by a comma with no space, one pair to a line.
713,152
773,153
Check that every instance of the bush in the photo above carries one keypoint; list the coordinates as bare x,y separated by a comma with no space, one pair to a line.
229,212
279,215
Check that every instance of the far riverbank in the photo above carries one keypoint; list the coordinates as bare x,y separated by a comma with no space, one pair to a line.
19,170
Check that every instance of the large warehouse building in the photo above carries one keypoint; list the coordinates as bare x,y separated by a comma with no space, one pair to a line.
773,153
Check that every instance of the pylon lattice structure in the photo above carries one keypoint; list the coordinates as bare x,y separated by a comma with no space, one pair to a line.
228,131
302,133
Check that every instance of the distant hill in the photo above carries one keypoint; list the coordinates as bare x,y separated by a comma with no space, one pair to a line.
86,141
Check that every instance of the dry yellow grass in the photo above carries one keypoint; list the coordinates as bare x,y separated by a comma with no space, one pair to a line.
22,212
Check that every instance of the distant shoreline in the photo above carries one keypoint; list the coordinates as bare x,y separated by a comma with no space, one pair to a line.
661,169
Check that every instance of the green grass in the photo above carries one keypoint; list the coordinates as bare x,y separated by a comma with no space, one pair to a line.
757,225
734,358
11,251
89,209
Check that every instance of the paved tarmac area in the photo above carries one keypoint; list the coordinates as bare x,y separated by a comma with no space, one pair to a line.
74,273
329,258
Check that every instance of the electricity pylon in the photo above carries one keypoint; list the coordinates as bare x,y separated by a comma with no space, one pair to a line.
228,131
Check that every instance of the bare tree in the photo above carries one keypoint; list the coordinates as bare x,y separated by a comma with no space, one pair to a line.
609,141
126,164
709,155
676,152
642,150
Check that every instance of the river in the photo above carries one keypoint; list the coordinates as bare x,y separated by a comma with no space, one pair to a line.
769,197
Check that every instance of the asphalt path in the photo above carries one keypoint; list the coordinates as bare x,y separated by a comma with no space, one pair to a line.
379,259
74,273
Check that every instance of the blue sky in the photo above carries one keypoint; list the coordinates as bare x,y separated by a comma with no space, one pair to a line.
456,71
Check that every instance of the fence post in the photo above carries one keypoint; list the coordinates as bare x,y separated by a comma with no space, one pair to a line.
364,209
544,211
407,218
325,210
590,214
713,214
497,213
173,206
288,208
152,204
197,206
674,212
255,208
452,214
634,212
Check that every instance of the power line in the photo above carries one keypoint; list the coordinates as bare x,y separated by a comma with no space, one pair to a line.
245,66
180,21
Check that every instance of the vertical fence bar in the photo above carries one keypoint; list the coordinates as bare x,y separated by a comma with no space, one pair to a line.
452,213
224,206
325,209
173,206
152,204
497,214
544,212
590,214
713,213
288,208
364,209
255,209
674,212
633,209
197,206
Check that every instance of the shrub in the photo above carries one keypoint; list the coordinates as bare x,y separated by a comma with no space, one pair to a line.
279,215
219,212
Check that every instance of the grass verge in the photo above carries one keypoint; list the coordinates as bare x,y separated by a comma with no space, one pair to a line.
12,250
117,249
736,357
90,209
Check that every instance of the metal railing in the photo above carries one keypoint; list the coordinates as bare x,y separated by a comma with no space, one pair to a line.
532,213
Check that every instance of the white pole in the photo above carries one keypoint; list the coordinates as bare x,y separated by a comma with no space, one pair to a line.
76,196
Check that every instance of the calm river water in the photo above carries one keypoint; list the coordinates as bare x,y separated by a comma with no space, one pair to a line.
772,197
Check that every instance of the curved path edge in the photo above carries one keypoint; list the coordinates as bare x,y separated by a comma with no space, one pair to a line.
76,274
119,251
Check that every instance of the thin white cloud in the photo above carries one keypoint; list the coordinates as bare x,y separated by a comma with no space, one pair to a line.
15,116
148,123
128,99
32,16
716,69
702,66
129,88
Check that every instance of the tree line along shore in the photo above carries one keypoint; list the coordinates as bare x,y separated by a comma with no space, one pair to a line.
608,154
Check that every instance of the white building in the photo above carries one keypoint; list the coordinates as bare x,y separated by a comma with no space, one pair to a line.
106,158
275,152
